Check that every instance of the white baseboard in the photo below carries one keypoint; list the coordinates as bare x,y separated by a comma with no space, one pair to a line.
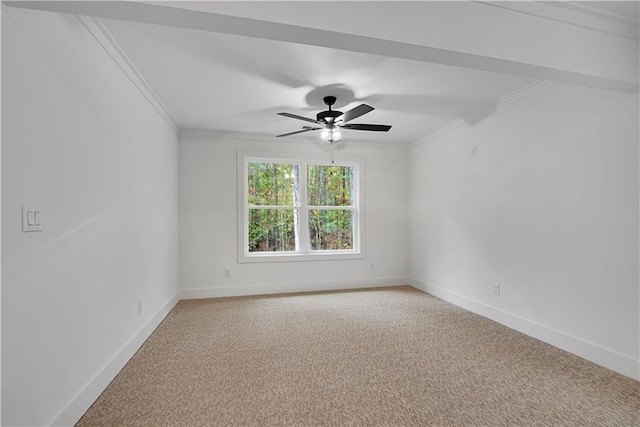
284,288
79,404
595,353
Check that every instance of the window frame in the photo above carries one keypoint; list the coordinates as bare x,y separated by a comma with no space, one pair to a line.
304,252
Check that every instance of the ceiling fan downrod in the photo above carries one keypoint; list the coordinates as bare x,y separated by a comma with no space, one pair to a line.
330,115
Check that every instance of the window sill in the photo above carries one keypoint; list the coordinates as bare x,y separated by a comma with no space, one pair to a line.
293,257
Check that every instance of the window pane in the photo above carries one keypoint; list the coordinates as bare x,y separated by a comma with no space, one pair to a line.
329,185
331,229
271,230
271,184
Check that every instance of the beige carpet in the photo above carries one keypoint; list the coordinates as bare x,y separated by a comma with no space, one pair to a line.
378,357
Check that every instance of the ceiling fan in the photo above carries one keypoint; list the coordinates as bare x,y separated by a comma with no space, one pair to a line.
330,122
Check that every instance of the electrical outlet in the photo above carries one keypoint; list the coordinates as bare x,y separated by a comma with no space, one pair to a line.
140,307
496,288
227,273
474,151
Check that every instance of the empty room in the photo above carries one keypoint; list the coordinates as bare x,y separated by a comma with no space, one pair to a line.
307,213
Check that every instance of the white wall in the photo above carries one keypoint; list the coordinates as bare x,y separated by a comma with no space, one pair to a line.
83,144
549,209
208,223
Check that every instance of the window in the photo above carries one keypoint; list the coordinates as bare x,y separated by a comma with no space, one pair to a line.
298,209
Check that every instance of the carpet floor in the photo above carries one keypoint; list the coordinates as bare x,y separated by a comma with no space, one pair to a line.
376,357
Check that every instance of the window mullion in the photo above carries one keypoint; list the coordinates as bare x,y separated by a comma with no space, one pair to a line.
332,208
282,207
303,226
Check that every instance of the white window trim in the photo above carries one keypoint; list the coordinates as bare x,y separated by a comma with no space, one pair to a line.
244,256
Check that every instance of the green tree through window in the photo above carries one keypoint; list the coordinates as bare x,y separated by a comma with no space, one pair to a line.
329,190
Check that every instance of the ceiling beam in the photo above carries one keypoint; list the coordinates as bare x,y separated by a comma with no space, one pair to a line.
241,26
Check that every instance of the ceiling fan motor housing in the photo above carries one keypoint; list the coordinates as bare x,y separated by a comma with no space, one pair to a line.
328,116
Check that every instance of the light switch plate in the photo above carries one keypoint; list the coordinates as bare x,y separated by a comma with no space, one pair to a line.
31,219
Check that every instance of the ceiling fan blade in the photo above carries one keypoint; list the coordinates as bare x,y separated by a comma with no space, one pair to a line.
374,128
295,116
354,113
306,129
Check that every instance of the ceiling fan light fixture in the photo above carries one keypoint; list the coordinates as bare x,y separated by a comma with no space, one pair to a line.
331,134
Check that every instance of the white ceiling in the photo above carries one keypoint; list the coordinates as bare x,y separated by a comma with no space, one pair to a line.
230,78
236,85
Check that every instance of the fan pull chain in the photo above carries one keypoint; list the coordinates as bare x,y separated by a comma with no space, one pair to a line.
332,152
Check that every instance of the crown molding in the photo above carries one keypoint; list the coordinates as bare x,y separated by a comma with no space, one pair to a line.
102,35
573,13
516,96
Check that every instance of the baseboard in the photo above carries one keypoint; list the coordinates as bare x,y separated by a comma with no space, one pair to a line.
284,288
595,353
79,404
